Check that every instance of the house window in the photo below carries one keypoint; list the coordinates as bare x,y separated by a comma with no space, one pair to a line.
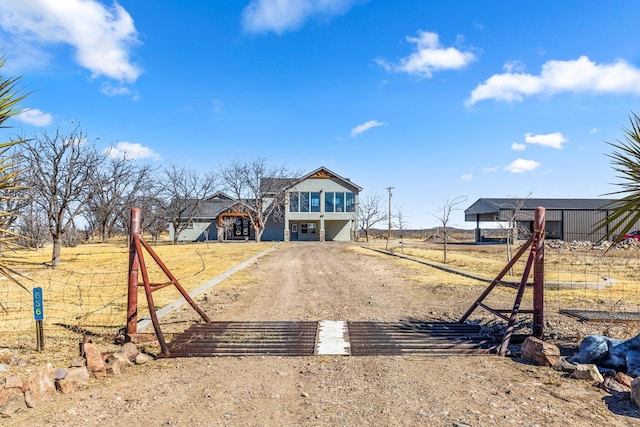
333,202
350,202
304,202
339,202
329,205
315,202
293,202
308,228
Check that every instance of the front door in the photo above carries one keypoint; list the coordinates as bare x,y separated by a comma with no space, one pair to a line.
294,231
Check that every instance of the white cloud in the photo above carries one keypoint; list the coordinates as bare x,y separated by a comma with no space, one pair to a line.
518,147
594,130
513,66
466,177
131,151
112,90
522,165
365,127
491,169
429,56
578,76
101,37
35,117
553,140
262,16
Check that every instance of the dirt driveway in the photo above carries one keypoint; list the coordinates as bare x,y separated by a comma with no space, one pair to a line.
331,281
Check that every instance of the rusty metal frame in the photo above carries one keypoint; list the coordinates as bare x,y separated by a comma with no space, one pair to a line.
138,265
535,260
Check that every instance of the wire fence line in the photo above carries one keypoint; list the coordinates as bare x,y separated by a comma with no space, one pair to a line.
89,293
71,298
578,275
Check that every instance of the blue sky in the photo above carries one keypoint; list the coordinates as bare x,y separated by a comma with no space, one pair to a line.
437,99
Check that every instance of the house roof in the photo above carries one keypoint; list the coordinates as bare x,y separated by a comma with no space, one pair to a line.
212,207
275,185
323,172
219,195
493,205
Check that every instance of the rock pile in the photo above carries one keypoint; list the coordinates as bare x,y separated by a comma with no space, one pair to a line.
584,245
18,393
618,384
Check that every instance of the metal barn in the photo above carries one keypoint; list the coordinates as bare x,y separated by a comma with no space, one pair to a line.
566,219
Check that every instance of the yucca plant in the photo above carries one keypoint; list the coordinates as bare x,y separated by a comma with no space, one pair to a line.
625,160
10,97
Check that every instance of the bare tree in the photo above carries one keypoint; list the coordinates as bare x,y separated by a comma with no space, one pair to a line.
401,223
226,225
116,187
61,167
154,215
186,190
260,189
33,226
370,213
444,216
512,224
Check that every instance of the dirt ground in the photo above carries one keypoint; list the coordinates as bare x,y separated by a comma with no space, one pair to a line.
332,281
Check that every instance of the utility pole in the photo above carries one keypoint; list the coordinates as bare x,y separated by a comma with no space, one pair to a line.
389,214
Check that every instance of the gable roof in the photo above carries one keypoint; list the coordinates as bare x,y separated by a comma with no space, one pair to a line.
219,195
325,173
275,185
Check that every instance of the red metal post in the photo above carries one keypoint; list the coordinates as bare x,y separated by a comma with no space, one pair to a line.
134,267
538,275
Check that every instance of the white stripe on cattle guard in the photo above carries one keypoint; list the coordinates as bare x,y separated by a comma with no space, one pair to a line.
332,338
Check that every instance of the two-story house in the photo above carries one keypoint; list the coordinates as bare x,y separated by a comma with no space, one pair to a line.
319,206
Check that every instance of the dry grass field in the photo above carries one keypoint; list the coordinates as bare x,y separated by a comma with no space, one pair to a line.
88,292
572,277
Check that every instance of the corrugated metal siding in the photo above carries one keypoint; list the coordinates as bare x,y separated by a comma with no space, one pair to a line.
581,225
623,224
529,215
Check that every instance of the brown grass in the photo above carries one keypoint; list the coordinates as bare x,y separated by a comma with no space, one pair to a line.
88,292
576,269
